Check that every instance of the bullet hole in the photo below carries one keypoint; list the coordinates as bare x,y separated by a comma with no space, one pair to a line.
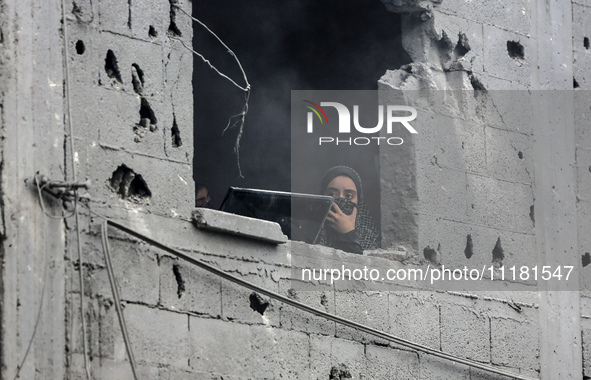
515,50
137,78
147,121
497,254
180,283
324,300
520,155
176,134
173,28
586,42
111,66
152,32
291,293
469,250
462,47
258,303
340,372
586,259
589,169
129,185
575,83
531,215
431,255
80,48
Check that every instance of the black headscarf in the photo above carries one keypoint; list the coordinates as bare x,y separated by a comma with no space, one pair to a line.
365,227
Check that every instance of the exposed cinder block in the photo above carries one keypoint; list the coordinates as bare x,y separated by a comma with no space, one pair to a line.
367,308
296,319
136,271
582,115
510,110
465,333
514,343
114,16
158,336
512,15
491,202
581,27
150,19
186,287
434,368
494,83
244,305
327,353
509,155
586,344
442,192
108,369
170,184
220,347
470,32
278,353
582,70
388,363
503,56
414,318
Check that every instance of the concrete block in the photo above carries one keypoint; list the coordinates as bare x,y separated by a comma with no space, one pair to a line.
509,155
454,27
240,304
158,336
511,15
509,110
170,183
344,356
514,344
108,369
586,345
442,192
581,27
388,363
150,19
582,70
295,319
491,202
220,347
434,368
224,222
583,2
414,318
178,71
367,308
114,16
497,54
185,287
136,271
494,83
84,50
465,333
278,353
582,114
149,60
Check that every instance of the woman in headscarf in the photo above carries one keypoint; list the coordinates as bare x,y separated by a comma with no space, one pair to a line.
348,225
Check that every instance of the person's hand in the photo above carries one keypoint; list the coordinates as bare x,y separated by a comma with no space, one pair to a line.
339,221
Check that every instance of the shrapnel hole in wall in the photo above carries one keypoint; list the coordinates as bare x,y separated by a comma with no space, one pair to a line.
515,50
463,46
586,43
148,121
111,66
498,254
586,259
469,250
176,134
258,303
575,83
173,28
152,32
180,283
432,255
129,185
340,372
137,78
80,48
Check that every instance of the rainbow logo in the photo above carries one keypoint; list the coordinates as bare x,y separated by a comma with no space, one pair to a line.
316,112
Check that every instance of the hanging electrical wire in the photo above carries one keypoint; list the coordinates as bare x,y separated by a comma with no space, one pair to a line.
235,120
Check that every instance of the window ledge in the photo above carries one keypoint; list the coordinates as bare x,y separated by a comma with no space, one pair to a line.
219,221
